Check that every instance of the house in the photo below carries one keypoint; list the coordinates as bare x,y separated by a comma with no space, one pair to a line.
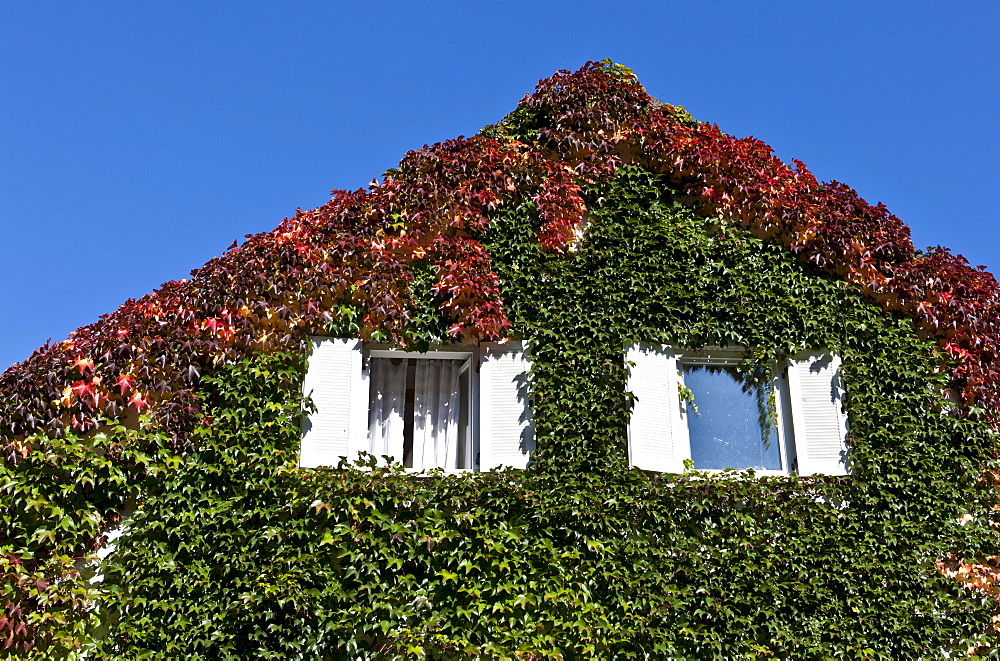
600,382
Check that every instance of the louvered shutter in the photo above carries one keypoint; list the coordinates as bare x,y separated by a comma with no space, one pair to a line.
506,433
657,436
339,390
818,418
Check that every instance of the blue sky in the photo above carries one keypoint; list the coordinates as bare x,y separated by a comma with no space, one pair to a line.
138,140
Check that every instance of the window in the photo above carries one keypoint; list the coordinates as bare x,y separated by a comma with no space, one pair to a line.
419,408
732,415
460,408
708,408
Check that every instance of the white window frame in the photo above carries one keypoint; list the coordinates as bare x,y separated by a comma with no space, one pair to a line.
337,381
779,385
469,354
811,421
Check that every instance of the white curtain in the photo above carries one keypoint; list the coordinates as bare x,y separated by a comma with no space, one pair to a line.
387,402
436,410
436,404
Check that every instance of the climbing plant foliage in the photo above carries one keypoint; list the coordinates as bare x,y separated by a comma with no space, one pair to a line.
590,218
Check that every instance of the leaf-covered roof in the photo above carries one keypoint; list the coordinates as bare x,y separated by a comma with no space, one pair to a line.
353,262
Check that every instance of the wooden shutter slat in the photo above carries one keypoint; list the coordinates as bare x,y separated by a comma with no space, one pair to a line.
506,432
818,417
657,434
339,391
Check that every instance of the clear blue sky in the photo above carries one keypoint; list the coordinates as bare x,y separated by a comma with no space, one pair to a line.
138,140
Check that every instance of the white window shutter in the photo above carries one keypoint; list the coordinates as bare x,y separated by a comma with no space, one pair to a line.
506,432
339,390
657,436
818,418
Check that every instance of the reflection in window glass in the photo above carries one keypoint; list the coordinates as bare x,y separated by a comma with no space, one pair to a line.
727,431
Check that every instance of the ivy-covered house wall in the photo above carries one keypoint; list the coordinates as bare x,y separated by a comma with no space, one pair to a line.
590,219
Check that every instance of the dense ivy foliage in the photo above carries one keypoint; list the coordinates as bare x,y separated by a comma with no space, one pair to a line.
186,404
580,557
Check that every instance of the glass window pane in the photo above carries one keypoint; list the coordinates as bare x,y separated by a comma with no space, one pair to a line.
728,431
419,411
